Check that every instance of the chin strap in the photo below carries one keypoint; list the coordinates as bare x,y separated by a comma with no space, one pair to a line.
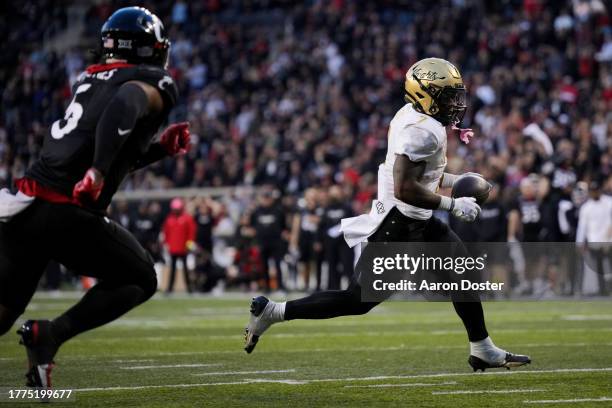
464,134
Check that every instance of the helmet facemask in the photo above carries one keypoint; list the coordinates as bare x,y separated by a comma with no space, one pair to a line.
448,104
451,105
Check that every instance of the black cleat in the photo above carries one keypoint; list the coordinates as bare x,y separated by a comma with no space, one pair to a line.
511,360
41,348
258,323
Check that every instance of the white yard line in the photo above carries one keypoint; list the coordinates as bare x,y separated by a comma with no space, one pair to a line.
147,387
134,361
246,372
402,385
568,401
511,391
154,367
320,350
339,334
582,317
387,377
352,379
347,334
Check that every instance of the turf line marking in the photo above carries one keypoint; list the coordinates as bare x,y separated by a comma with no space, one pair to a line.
382,377
147,387
152,367
387,377
273,381
318,350
568,401
246,372
346,334
582,317
512,391
373,348
134,361
402,385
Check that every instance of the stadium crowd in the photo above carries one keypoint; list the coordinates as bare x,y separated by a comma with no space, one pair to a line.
296,97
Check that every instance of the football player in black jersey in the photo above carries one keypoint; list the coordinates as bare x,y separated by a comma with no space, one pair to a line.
58,213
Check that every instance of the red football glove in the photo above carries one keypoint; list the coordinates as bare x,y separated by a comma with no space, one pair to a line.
176,139
89,188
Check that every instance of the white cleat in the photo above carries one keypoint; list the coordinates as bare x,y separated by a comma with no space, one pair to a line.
261,319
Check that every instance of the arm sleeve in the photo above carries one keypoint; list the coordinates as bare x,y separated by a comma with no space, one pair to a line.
116,123
416,143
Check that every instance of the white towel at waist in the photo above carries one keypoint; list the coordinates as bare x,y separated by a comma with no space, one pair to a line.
358,229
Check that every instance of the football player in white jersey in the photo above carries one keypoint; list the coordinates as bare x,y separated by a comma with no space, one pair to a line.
408,182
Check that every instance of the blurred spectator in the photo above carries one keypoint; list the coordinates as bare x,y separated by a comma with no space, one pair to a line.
268,227
146,227
595,230
336,253
179,235
304,238
204,219
526,223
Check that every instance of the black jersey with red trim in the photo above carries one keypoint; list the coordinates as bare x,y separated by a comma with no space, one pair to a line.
68,148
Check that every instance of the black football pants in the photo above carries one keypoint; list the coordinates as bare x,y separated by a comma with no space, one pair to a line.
395,228
84,242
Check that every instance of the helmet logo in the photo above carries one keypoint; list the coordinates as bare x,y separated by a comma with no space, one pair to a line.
421,74
157,29
125,44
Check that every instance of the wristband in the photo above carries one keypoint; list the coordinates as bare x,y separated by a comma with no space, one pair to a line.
446,203
448,180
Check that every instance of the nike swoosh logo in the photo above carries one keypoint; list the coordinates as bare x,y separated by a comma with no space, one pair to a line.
123,132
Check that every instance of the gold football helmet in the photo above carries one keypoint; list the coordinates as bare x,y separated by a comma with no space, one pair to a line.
435,88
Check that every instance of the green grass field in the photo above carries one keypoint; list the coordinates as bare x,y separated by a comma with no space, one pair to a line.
188,352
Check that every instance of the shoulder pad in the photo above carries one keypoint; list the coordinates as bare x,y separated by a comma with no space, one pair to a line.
419,143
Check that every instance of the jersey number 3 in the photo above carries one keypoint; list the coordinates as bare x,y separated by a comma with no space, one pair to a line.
74,111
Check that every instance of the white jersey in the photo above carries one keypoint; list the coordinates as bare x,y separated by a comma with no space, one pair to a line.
422,139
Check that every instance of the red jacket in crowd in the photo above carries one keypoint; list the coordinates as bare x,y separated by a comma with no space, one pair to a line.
179,233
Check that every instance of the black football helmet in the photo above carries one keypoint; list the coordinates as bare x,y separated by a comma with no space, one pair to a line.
136,35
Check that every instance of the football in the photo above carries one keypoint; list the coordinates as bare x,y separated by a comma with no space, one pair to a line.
471,185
